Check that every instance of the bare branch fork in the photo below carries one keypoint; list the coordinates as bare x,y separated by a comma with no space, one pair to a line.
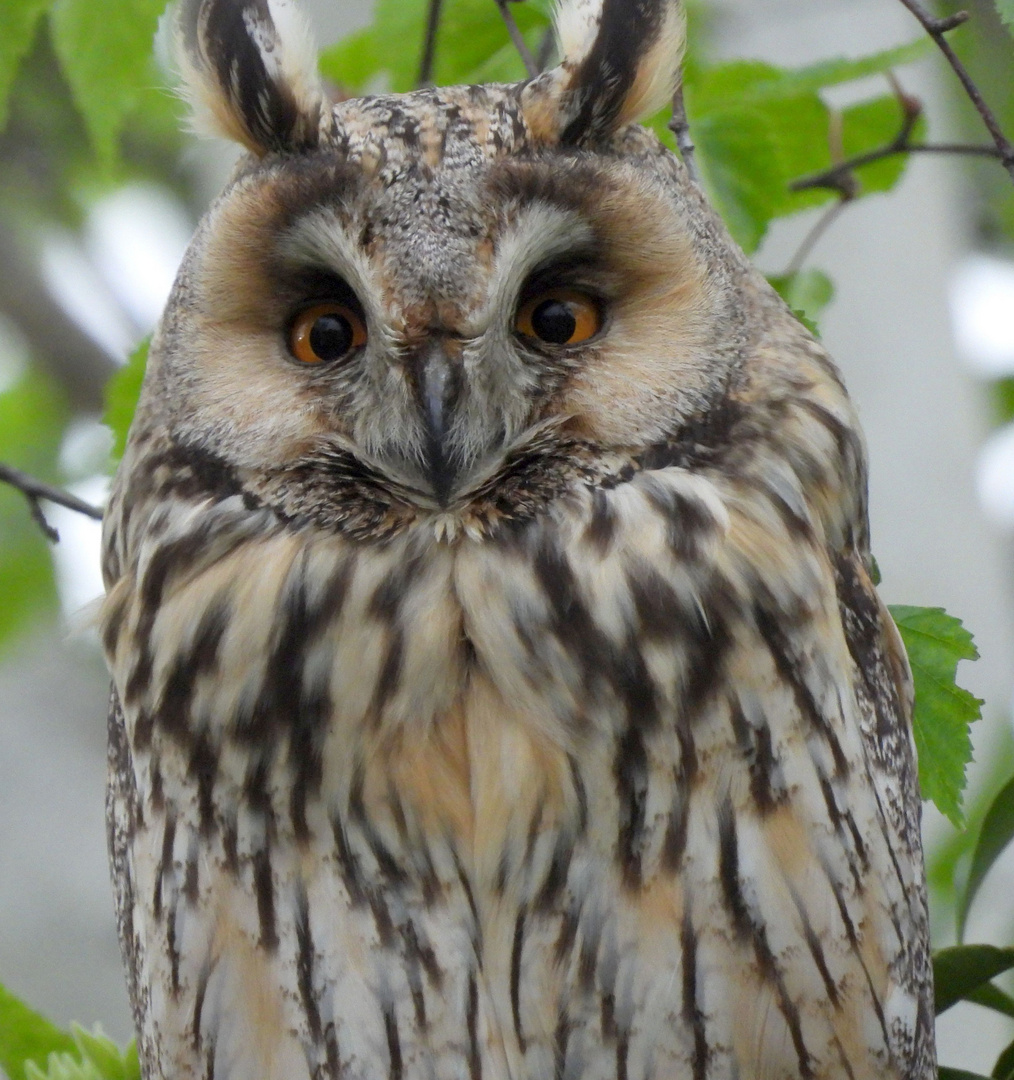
36,490
937,29
839,177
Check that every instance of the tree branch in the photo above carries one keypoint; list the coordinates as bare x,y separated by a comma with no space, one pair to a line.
937,29
56,342
531,64
680,127
546,49
832,178
36,490
840,177
425,76
809,242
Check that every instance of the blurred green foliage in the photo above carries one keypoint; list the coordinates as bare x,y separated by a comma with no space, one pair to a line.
105,53
122,392
32,418
82,109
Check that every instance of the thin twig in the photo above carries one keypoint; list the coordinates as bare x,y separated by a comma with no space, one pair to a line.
546,48
937,29
425,76
36,490
531,65
824,222
830,177
847,186
680,127
841,178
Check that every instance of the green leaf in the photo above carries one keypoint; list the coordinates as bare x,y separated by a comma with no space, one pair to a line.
759,128
935,642
1002,395
754,140
398,27
875,576
962,969
992,997
390,46
996,833
26,1036
1006,9
475,46
1004,1067
807,292
31,1048
109,1061
834,72
131,1062
948,860
947,1073
105,50
740,169
18,19
122,392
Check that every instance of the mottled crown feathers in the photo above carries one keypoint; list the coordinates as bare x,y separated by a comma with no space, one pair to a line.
249,70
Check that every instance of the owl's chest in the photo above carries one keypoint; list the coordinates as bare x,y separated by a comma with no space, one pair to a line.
300,632
423,687
439,805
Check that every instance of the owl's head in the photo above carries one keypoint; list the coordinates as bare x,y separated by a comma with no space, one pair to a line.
431,292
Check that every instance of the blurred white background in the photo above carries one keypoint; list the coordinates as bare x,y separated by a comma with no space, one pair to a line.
909,291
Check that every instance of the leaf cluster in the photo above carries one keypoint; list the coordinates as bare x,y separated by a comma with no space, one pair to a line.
105,54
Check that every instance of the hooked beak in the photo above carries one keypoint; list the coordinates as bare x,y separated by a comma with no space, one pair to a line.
439,384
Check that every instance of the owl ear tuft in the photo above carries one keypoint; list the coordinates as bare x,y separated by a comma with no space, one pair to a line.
621,62
249,70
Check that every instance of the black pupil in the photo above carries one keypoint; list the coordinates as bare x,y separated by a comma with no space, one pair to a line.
331,337
554,322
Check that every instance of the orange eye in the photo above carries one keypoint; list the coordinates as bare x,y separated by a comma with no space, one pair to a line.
559,317
325,333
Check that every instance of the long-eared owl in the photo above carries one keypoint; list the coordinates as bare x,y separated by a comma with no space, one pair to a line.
499,688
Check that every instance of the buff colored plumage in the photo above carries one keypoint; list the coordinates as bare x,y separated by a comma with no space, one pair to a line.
489,701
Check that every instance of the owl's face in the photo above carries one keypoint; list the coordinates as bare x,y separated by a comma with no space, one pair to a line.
426,289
